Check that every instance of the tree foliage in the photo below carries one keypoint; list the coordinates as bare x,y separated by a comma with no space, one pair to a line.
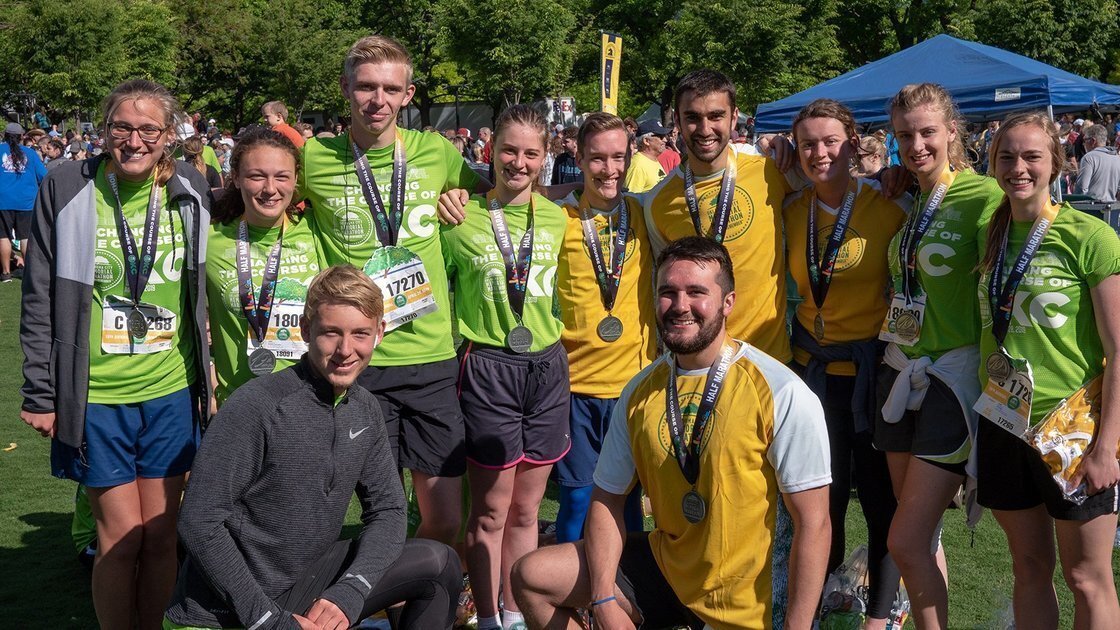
227,57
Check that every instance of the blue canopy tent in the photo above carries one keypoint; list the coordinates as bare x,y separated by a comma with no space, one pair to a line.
985,81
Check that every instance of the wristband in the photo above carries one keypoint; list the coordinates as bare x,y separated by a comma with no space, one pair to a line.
605,600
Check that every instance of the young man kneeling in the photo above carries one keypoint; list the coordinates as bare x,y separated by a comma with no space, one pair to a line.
272,481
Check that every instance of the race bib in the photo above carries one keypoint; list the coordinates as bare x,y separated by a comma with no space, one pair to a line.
283,337
403,281
115,335
1007,397
903,323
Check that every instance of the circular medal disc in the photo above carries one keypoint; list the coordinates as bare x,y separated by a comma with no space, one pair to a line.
137,324
610,328
519,340
694,507
906,327
818,327
262,362
998,366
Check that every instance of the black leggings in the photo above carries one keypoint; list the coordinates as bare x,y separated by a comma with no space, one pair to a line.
855,461
426,577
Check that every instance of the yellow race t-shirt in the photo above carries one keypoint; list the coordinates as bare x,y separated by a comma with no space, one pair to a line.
767,435
643,173
599,368
753,238
856,302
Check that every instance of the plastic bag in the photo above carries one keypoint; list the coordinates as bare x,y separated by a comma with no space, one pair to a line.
1064,435
845,593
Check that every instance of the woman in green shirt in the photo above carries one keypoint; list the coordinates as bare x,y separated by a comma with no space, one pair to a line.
927,385
114,337
513,375
261,258
1048,293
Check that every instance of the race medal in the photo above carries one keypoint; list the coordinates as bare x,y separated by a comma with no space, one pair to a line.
519,340
998,365
820,265
903,323
609,329
1007,401
403,280
262,362
137,324
694,507
906,327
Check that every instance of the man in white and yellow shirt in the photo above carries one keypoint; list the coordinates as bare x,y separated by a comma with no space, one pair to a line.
714,490
606,303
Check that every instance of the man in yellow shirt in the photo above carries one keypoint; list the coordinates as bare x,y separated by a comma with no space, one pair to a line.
732,197
713,432
645,170
604,287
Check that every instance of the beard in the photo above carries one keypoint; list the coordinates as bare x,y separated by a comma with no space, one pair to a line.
710,330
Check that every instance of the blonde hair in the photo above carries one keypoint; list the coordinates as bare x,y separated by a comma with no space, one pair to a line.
521,114
870,145
344,284
145,90
192,153
275,107
376,49
932,95
1001,219
596,123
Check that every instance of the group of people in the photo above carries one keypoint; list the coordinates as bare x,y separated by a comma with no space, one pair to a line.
368,303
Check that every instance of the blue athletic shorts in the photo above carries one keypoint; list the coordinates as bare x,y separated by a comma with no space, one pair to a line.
590,418
152,439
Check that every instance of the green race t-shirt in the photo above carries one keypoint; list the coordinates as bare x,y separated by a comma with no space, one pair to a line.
299,264
342,224
131,378
475,266
1053,323
946,264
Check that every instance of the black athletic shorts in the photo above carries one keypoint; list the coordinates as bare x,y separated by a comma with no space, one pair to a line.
641,581
1011,475
936,433
516,405
17,221
422,415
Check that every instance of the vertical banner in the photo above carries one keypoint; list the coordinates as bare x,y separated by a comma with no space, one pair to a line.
611,59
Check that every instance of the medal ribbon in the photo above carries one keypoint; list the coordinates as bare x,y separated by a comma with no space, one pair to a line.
608,284
1001,294
386,222
722,216
688,457
137,269
916,228
517,264
258,312
820,271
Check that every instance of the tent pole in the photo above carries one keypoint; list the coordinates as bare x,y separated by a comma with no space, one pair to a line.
1056,187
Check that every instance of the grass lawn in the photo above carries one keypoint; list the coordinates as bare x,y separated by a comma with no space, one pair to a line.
43,586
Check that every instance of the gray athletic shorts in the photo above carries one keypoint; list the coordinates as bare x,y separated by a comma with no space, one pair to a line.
516,405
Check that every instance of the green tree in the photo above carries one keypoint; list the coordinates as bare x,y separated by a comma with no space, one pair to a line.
1080,36
509,50
89,48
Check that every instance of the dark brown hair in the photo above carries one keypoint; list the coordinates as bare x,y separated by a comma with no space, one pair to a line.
700,249
231,206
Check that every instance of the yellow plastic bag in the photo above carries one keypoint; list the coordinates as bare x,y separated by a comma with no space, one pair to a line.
1064,435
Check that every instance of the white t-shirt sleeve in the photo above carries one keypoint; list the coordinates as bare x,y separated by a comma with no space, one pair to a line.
615,471
799,449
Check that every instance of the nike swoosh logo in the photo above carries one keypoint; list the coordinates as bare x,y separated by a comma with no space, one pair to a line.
354,435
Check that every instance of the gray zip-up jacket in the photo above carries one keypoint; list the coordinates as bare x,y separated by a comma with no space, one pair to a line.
268,496
58,290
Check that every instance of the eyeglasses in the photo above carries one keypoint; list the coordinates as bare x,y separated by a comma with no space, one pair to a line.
123,131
